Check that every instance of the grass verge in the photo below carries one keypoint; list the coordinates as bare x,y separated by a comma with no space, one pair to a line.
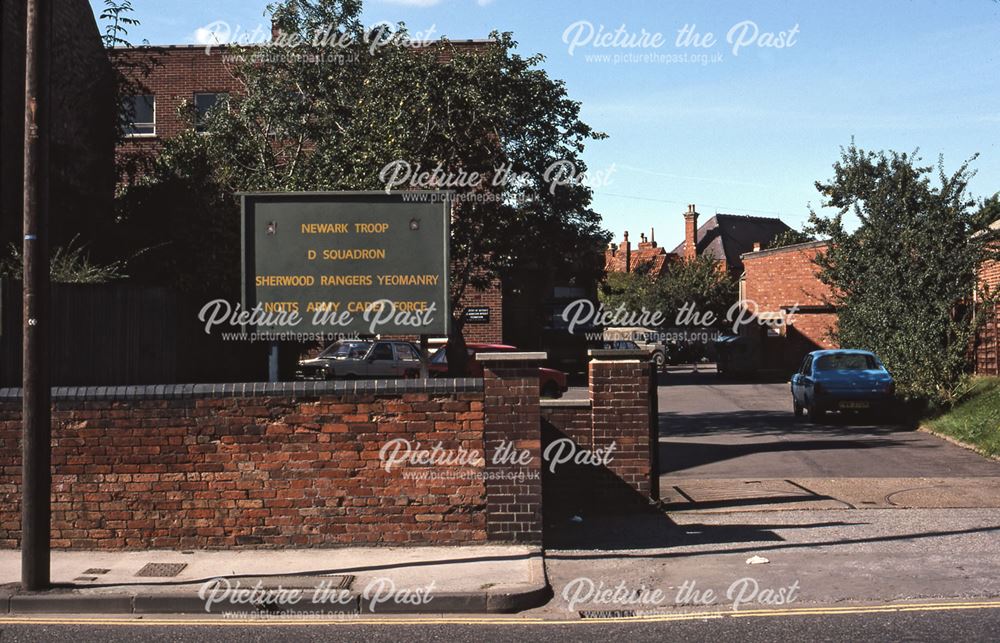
976,419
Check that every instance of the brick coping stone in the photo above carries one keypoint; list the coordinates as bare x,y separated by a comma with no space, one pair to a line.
255,389
604,354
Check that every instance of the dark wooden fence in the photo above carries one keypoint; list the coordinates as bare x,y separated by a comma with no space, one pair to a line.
987,349
101,334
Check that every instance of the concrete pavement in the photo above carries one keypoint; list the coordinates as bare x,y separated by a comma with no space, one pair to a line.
846,556
477,579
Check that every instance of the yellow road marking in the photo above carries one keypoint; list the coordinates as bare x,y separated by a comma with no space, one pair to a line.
151,620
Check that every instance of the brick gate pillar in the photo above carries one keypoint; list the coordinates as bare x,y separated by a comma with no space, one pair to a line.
620,402
512,428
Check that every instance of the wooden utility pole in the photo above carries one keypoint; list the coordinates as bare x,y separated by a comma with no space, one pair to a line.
36,481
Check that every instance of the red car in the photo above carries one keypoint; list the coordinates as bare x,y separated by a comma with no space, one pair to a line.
552,383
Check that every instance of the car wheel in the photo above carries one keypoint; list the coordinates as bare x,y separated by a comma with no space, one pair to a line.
816,415
799,411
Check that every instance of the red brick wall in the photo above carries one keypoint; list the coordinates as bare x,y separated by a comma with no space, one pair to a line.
274,470
491,333
787,277
178,73
617,413
784,277
514,492
619,394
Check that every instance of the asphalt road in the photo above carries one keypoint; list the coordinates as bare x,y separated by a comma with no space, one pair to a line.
962,624
713,428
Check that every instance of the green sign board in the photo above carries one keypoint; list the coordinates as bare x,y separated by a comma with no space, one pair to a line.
340,263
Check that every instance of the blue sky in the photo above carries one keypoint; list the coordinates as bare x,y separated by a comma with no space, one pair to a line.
748,133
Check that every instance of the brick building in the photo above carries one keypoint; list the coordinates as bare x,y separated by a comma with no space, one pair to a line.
83,120
785,290
197,77
179,76
724,237
780,279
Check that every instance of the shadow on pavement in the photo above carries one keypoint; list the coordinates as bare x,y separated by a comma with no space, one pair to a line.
681,455
655,529
768,422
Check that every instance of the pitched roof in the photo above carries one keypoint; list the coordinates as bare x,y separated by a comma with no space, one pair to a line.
652,259
725,237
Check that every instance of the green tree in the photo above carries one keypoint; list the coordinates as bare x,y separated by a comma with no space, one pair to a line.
130,70
790,237
335,117
904,279
701,284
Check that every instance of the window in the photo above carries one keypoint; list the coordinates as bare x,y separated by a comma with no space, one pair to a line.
203,103
342,350
846,362
382,351
406,352
140,111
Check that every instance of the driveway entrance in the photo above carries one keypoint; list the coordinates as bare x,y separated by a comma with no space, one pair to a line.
726,445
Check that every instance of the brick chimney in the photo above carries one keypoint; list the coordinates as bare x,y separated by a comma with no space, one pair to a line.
690,233
628,253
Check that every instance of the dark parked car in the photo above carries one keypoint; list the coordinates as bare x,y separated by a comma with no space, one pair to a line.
552,383
841,380
362,360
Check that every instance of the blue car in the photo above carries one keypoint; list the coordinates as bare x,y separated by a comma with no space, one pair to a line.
841,380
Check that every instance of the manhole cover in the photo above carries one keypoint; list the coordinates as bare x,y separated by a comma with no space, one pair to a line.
607,613
161,570
98,571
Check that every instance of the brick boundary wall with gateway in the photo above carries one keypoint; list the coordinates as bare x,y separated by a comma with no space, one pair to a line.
278,465
298,464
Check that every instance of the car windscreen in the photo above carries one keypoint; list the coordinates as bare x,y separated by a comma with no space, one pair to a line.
441,356
345,349
846,362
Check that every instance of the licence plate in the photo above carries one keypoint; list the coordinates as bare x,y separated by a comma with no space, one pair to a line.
854,405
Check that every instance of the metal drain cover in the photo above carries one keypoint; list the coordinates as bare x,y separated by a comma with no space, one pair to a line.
96,571
161,570
607,613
